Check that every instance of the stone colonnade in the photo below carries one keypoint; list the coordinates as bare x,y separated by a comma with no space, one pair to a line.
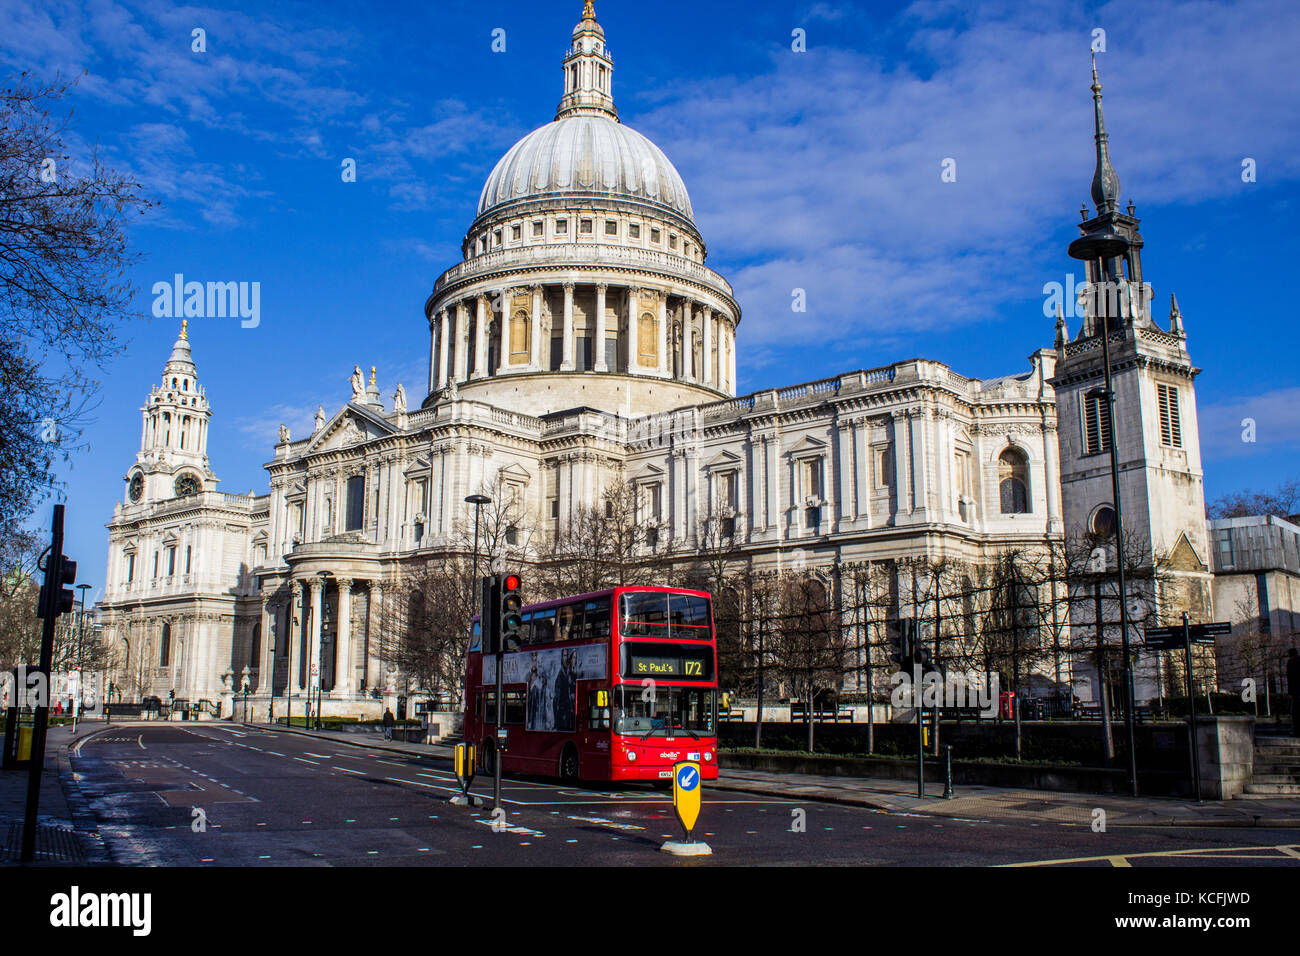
655,333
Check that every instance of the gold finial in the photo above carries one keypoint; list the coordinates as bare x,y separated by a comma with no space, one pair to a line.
589,11
372,375
184,325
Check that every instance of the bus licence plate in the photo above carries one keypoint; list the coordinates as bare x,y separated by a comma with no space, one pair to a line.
665,774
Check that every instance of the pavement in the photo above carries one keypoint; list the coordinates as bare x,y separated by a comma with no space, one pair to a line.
968,802
66,832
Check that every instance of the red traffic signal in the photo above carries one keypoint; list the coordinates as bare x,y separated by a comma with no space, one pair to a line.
510,618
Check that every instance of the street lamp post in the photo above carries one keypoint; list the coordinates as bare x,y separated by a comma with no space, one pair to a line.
1102,247
81,633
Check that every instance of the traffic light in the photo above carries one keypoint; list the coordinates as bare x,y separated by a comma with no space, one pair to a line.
511,619
56,593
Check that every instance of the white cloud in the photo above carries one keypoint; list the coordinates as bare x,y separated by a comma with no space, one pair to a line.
1276,418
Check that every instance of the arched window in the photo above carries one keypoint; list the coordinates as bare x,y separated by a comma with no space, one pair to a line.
165,646
1013,482
255,645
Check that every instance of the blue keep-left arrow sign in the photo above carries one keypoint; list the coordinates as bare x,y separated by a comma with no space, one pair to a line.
688,778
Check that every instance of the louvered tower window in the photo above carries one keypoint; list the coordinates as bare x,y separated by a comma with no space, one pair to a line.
1096,424
1171,429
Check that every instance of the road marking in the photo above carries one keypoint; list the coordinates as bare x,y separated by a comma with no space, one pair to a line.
314,763
321,756
140,741
349,770
1290,850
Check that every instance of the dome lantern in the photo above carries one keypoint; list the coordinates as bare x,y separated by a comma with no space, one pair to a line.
588,71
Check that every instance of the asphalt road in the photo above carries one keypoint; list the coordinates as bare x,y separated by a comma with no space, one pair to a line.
242,796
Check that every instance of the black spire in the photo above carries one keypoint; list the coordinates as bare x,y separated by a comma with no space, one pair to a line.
1105,181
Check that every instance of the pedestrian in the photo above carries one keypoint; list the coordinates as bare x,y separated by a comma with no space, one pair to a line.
1293,688
389,722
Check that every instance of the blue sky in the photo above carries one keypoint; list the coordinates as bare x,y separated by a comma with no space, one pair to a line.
817,170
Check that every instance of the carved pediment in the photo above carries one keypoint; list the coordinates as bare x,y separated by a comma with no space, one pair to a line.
354,425
1184,556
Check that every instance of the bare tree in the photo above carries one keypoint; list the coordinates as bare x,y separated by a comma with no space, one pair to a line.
64,262
613,543
1283,502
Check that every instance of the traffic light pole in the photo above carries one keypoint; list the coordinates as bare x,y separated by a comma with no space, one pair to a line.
53,570
1191,709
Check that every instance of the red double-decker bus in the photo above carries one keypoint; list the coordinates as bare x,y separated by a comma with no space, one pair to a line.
615,685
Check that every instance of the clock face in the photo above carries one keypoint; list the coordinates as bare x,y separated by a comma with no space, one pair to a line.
136,488
187,485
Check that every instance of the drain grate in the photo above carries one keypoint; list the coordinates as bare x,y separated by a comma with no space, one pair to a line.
53,845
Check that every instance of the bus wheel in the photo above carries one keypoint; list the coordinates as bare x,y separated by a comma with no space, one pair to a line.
490,758
569,764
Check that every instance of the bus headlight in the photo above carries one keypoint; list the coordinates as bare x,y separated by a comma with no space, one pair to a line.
708,757
631,755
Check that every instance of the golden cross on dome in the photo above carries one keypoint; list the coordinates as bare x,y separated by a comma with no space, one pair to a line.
372,375
184,324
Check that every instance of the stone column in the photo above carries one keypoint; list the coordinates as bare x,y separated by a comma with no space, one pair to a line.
678,462
297,648
844,455
771,447
313,653
901,458
266,666
460,341
535,331
1050,488
731,358
863,471
920,478
598,346
480,337
707,377
563,489
442,348
566,356
686,340
665,363
343,660
433,355
503,346
374,630
631,336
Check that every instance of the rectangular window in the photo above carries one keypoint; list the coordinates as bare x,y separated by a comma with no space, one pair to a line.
538,228
634,231
356,502
496,237
611,227
155,564
1171,428
516,232
130,568
655,236
555,507
1096,425
584,227
1261,598
187,559
561,227
171,561
884,467
812,478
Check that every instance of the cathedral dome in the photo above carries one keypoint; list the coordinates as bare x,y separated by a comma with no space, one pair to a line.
586,154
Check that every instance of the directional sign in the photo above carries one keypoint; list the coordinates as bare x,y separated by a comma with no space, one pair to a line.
686,794
1167,637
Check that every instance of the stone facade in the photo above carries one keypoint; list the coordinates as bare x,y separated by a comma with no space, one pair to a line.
584,339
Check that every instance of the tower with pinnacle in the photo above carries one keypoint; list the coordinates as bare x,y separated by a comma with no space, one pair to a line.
1154,407
173,457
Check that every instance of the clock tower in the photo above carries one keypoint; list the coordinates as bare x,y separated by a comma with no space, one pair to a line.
173,458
